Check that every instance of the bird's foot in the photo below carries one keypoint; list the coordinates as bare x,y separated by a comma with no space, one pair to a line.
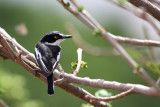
36,71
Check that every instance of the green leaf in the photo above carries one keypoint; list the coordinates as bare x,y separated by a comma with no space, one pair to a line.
67,4
100,93
138,67
154,67
103,93
84,65
110,105
80,8
121,2
97,32
86,105
74,64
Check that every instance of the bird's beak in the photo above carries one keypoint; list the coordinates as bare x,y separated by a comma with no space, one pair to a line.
67,36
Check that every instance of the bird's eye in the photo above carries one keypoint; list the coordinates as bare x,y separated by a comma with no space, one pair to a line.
55,37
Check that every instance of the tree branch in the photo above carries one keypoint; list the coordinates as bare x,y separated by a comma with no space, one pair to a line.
100,83
134,41
155,1
121,95
148,6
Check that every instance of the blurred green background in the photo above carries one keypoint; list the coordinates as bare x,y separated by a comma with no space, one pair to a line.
41,16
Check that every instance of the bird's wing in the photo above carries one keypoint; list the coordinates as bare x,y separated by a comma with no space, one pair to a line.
47,59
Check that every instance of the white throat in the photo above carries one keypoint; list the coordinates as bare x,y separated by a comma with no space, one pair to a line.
57,42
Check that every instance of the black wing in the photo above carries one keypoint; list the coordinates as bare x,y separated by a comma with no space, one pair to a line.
47,57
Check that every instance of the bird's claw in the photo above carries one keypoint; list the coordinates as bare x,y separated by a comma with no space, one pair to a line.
36,71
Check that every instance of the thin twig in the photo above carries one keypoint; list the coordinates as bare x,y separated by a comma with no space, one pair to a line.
121,95
134,41
79,53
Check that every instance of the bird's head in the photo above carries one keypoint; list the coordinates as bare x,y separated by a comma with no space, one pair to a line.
54,38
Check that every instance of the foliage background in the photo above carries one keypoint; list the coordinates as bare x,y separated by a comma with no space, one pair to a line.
41,16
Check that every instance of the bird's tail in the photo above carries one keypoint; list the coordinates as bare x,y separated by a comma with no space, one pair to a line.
50,84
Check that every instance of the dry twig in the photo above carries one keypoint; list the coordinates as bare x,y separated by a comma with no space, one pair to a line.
79,63
121,95
134,41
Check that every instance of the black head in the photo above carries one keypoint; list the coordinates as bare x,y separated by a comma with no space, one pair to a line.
54,37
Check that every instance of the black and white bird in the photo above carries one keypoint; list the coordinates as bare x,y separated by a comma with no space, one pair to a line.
47,54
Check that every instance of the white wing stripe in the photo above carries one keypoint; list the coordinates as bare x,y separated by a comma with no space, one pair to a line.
58,57
39,57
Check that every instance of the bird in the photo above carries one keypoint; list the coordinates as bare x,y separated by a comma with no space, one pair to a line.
47,55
